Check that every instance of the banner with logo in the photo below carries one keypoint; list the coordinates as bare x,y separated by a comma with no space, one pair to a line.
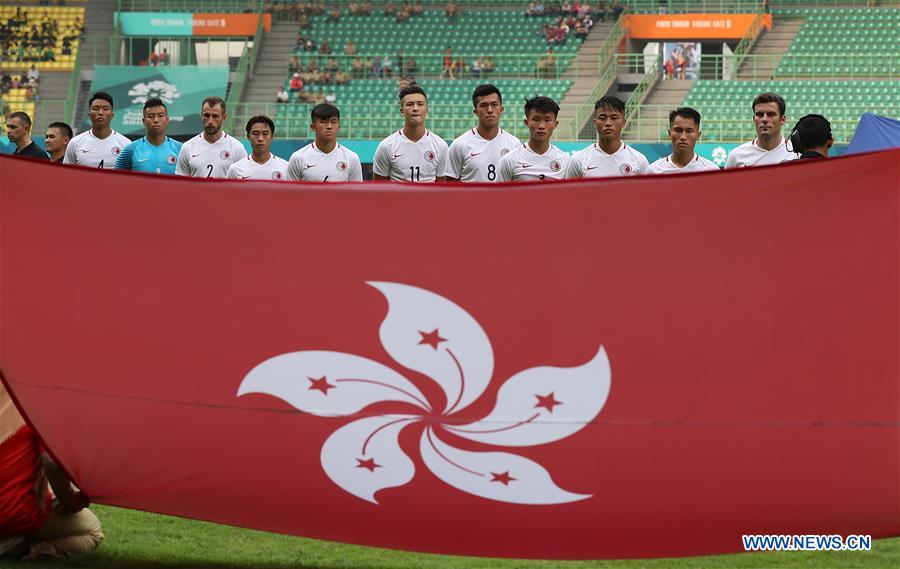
691,26
584,369
190,23
182,88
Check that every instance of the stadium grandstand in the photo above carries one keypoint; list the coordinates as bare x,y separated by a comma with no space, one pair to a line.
836,58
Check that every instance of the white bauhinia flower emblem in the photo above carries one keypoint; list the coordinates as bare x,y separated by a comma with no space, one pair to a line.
431,335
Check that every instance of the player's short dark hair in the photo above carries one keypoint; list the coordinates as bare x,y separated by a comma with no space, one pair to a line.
542,104
324,112
261,119
103,96
814,131
412,90
22,116
684,112
770,98
155,102
212,102
65,128
483,91
609,102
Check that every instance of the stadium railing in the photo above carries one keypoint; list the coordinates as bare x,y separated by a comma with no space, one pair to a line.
244,69
766,66
720,125
606,74
695,6
134,50
506,65
642,90
746,44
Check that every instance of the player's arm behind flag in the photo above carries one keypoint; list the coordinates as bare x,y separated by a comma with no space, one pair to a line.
124,159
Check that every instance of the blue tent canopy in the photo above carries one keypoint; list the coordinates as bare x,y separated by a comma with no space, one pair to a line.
874,133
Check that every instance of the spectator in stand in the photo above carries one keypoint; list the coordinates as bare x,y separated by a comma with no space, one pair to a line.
325,48
353,8
580,31
418,9
387,66
404,13
309,45
452,12
366,8
616,9
350,48
359,68
154,59
296,83
34,74
487,66
294,64
331,98
164,58
412,67
283,96
331,69
447,67
389,9
476,68
334,15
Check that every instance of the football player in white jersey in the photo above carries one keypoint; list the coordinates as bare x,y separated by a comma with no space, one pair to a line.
769,147
684,132
412,154
212,152
475,155
609,156
100,146
324,160
537,159
261,164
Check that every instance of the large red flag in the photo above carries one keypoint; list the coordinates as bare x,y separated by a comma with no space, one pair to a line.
614,368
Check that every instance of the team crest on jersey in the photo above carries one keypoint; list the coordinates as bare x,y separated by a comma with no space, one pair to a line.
115,150
170,159
429,156
277,175
625,169
555,166
504,151
341,166
224,155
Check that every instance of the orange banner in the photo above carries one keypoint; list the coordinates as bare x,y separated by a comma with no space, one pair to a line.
691,26
208,24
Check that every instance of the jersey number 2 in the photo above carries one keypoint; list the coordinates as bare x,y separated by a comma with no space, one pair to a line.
209,172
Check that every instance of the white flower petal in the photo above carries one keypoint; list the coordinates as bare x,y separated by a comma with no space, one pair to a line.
543,404
364,456
427,333
494,475
329,384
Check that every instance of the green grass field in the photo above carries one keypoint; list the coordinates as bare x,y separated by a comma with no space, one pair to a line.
137,540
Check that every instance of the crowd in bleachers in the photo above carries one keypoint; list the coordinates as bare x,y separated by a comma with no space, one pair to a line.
23,38
599,11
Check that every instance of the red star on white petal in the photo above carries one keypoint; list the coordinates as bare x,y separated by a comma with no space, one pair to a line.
431,338
321,384
502,477
548,402
368,464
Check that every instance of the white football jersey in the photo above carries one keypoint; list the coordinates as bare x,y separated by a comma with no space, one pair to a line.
471,158
750,154
593,162
311,164
201,159
697,164
523,163
248,169
403,160
88,150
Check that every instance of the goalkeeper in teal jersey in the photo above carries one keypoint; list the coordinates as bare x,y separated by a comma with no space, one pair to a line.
155,153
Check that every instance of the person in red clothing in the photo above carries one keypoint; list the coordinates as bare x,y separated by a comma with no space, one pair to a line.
41,513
